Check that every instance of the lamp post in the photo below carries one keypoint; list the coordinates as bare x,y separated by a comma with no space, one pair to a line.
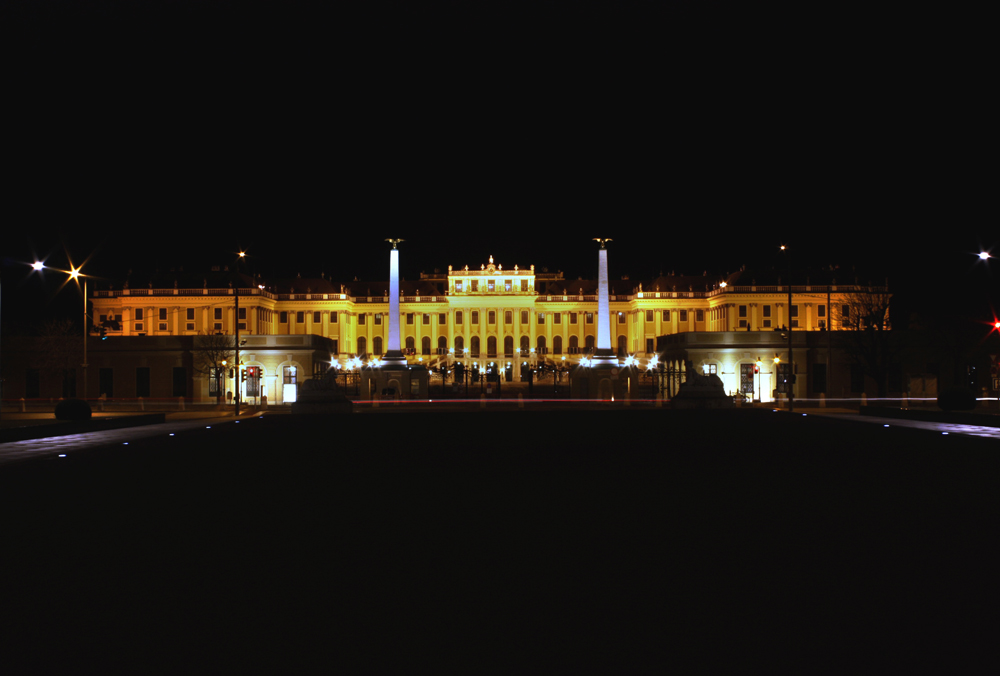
791,362
75,275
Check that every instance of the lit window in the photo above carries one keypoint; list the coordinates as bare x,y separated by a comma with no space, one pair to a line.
557,318
541,317
491,285
378,321
508,285
458,285
590,317
649,315
475,285
333,317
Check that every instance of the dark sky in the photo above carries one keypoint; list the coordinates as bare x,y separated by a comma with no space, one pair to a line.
177,133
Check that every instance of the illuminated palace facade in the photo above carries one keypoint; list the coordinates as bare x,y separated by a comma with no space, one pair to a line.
513,317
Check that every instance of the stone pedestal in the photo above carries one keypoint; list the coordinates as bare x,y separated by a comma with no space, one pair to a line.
391,383
606,381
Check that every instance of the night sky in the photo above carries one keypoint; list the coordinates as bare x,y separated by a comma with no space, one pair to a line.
178,134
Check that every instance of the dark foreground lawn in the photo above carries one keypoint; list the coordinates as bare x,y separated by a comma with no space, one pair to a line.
560,542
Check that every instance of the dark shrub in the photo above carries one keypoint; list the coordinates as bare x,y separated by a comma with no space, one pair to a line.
957,399
73,409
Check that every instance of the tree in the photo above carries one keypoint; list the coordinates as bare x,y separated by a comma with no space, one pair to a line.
872,345
212,352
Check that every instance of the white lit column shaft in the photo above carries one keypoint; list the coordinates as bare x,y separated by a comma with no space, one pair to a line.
394,341
603,304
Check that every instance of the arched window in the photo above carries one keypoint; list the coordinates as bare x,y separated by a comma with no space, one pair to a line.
459,345
622,346
362,346
508,346
557,345
377,345
491,346
590,342
425,345
525,344
442,345
541,345
475,346
410,344
574,344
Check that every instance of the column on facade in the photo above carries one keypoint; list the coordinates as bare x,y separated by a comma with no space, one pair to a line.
451,329
483,333
808,317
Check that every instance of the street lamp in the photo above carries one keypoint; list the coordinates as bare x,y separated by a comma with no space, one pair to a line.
75,275
760,378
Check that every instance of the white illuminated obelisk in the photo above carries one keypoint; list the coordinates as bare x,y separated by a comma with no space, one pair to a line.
605,353
394,357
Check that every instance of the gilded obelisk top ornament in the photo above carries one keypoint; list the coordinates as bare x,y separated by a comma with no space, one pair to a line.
394,242
603,241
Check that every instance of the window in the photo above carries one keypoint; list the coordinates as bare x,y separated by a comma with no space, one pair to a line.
557,345
590,317
409,319
857,379
475,285
819,378
106,383
362,318
283,317
541,317
491,285
572,318
69,384
795,310
458,285
243,314
427,319
574,344
524,316
190,314
163,314
821,311
474,344
650,345
333,317
317,317
524,286
442,318
336,347
300,317
215,377
459,317
362,346
491,346
684,315
218,313
845,313
699,315
142,382
649,315
508,317
377,344
491,317
621,317
557,317
743,324
666,315
710,369
180,381
378,321
475,316
743,312
459,345
289,375
217,326
138,314
508,285
767,310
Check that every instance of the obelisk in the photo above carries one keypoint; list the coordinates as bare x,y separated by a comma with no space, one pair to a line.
394,357
604,354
